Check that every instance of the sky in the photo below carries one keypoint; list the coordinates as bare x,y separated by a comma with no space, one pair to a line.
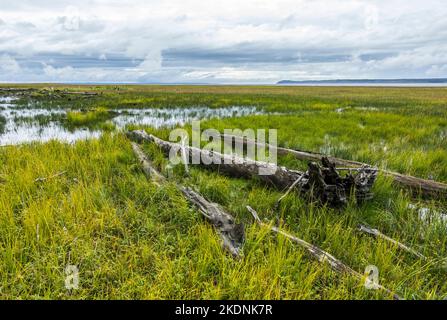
231,41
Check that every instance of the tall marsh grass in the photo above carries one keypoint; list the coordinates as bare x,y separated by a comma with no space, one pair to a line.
132,239
89,118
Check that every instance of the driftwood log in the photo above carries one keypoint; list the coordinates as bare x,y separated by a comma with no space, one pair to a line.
322,183
321,255
146,164
231,233
427,188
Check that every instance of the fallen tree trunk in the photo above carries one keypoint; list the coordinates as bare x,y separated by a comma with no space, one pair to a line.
321,255
230,164
148,168
427,188
231,233
321,183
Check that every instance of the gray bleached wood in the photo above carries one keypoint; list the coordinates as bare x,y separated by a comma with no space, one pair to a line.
427,188
321,255
322,183
231,233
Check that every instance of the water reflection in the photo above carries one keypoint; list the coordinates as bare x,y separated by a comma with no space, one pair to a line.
23,125
51,131
177,116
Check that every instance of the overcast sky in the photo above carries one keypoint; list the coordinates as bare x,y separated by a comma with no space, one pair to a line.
231,41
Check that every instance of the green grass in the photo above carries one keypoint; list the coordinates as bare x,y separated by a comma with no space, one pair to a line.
134,240
2,124
39,119
89,118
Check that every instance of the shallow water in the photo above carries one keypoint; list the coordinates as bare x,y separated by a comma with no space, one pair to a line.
6,99
23,126
177,116
52,131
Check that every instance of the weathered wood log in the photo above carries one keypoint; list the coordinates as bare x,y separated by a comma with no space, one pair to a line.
321,183
298,154
377,233
281,177
147,166
427,188
321,255
231,233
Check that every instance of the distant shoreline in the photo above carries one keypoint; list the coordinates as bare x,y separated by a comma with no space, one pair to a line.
433,82
389,85
323,83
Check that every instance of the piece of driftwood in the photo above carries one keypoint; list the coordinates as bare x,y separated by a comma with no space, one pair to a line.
231,233
379,234
321,255
321,183
147,166
427,188
281,177
289,189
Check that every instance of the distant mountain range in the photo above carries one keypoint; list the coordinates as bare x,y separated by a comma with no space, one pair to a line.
366,81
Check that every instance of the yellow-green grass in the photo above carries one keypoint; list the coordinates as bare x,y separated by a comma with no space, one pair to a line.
132,239
2,123
88,118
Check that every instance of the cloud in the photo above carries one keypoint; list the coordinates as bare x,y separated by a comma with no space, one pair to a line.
152,61
437,70
232,41
8,64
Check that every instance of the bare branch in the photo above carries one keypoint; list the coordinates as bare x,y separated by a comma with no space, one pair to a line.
379,234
